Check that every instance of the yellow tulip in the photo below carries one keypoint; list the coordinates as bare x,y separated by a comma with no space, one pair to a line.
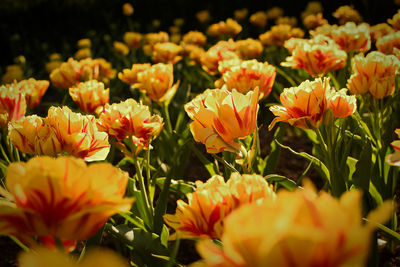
374,73
380,30
203,16
83,53
166,53
127,9
133,39
394,159
300,228
389,43
13,73
121,48
230,27
342,105
78,134
150,39
89,95
259,19
274,13
12,104
33,90
313,21
278,34
157,82
84,43
347,14
42,257
240,14
395,21
130,119
195,38
129,76
223,50
221,117
351,37
249,48
60,198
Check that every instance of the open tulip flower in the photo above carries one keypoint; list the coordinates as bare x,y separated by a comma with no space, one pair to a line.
300,228
60,199
12,104
212,201
89,95
223,50
166,53
130,76
352,38
221,117
33,90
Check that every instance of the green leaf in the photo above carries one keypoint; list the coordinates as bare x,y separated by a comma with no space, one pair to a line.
375,194
130,217
351,164
271,161
362,174
317,163
281,180
177,187
210,167
394,235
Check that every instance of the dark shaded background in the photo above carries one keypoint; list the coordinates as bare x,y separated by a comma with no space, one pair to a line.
36,27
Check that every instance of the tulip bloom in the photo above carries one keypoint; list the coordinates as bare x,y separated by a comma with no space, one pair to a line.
127,9
212,201
195,38
78,134
279,34
395,21
375,73
221,117
13,73
380,30
157,81
120,48
151,39
12,104
313,21
394,159
388,43
166,53
230,27
33,90
129,119
89,95
342,105
223,50
317,56
347,14
129,76
300,228
248,75
249,48
133,39
352,38
60,198
259,19
46,258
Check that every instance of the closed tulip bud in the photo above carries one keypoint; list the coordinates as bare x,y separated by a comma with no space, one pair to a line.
89,95
133,39
13,73
347,14
60,198
127,9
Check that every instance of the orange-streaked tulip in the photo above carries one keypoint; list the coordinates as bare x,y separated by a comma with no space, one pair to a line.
13,72
33,90
130,76
388,43
47,258
120,48
342,105
240,14
166,53
313,21
395,21
67,74
352,38
325,29
78,134
221,51
375,73
12,104
259,19
157,81
60,198
249,48
394,159
316,56
89,95
23,133
274,13
279,34
133,39
195,38
203,216
220,117
347,14
129,119
303,105
248,75
380,30
300,228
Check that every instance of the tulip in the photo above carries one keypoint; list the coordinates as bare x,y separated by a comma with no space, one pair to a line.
229,27
300,228
151,39
129,76
388,43
129,119
292,21
157,81
89,95
274,13
380,30
195,38
395,21
342,105
127,9
13,73
221,117
120,48
249,48
374,73
166,53
259,19
33,90
60,199
248,75
352,38
12,104
279,34
221,51
347,14
133,39
313,21
240,14
203,16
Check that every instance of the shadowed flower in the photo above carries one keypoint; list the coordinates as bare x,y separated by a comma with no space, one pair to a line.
166,53
84,43
248,75
129,119
292,21
221,117
60,198
120,48
47,258
127,9
240,14
129,76
133,39
317,56
194,53
274,13
380,30
249,48
157,81
298,229
89,95
375,73
211,202
303,105
395,21
394,159
259,19
83,53
313,21
78,134
347,14
13,72
150,39
12,104
203,16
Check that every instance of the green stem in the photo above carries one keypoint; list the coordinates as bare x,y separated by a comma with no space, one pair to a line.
225,163
167,118
287,77
334,81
